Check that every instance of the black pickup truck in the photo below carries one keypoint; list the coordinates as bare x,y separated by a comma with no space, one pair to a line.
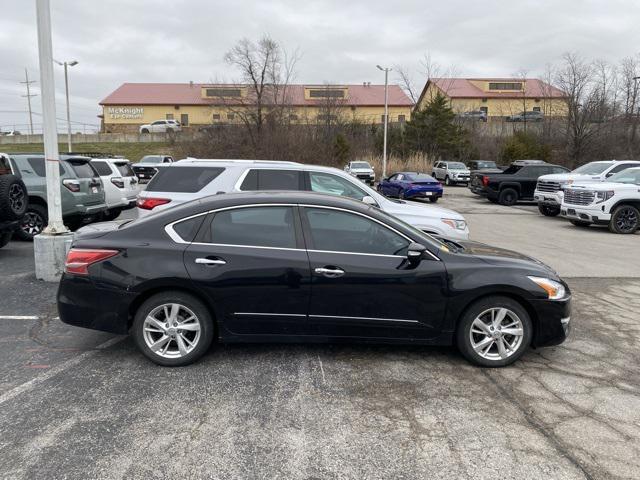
518,182
13,200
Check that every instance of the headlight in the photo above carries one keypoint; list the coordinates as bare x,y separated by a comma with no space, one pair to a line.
554,289
604,196
457,224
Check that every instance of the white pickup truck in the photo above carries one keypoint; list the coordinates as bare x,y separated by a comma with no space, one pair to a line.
615,203
549,189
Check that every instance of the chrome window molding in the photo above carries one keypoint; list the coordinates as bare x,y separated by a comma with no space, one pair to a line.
176,238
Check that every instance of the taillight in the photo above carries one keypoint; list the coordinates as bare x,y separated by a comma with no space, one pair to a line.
485,180
72,185
148,203
79,259
118,182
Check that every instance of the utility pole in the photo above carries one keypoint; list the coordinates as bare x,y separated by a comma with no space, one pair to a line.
29,95
50,247
386,71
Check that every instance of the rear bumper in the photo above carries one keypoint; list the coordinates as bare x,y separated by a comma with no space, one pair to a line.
83,304
553,321
419,193
87,210
585,214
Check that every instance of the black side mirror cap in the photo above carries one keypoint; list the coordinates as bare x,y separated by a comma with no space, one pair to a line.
415,252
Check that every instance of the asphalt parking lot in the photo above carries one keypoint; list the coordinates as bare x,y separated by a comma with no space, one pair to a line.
81,404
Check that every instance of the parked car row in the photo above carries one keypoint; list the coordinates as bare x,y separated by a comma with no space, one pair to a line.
598,193
92,189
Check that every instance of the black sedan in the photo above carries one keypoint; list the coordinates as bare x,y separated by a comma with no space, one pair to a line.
304,267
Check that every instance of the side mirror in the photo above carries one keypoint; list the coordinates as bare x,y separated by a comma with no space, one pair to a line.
608,174
369,200
414,253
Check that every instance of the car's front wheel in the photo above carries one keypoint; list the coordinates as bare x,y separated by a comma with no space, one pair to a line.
144,130
625,219
494,332
548,211
447,181
173,328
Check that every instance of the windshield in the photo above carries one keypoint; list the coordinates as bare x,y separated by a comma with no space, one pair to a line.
151,159
592,168
456,165
395,221
486,164
631,175
360,165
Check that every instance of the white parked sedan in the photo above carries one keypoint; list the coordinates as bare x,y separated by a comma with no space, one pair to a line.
191,179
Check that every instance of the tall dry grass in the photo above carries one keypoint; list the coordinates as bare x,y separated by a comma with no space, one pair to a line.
415,162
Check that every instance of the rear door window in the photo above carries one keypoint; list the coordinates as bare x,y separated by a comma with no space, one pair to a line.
102,168
255,226
183,179
125,169
272,179
38,168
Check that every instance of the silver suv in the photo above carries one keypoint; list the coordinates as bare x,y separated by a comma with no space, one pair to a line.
451,172
191,179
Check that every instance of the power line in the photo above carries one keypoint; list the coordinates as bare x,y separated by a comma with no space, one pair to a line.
29,95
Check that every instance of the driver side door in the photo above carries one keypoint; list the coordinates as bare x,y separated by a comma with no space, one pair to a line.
362,284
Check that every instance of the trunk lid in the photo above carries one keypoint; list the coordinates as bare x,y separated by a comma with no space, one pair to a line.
88,180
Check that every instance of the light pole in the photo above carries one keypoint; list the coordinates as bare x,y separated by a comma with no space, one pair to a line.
66,89
50,246
386,71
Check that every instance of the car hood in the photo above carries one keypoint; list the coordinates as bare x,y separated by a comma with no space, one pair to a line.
362,170
419,210
563,177
605,186
503,257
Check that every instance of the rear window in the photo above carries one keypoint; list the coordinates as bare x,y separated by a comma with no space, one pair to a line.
151,159
82,169
183,179
125,169
102,168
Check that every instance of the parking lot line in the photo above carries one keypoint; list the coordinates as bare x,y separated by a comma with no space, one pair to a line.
58,369
18,317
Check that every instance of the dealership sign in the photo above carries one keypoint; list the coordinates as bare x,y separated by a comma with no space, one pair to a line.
125,112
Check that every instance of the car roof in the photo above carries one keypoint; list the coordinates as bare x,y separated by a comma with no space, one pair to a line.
199,162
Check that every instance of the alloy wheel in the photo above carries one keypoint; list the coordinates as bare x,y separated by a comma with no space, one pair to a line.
627,219
32,223
496,333
17,198
171,330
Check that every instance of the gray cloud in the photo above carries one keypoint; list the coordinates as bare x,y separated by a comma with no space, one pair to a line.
119,41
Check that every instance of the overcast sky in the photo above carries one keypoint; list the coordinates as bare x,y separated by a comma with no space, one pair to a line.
118,41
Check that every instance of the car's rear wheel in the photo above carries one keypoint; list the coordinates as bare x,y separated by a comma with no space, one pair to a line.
579,223
33,223
508,197
494,332
549,211
433,199
173,329
625,219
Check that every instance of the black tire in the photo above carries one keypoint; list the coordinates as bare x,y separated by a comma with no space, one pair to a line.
401,195
508,197
110,215
464,334
34,221
433,199
625,220
13,198
144,130
548,211
447,182
4,238
579,223
201,312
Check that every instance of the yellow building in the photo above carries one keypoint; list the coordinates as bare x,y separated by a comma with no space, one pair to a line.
497,97
197,105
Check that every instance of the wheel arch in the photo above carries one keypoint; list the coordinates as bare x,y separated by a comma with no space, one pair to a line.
514,185
35,200
629,201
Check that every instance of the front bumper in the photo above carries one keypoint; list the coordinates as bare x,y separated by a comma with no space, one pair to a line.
552,199
592,213
553,321
459,178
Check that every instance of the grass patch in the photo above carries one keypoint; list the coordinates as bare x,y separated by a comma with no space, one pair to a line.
131,151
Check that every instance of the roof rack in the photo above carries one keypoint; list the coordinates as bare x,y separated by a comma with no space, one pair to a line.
268,162
93,154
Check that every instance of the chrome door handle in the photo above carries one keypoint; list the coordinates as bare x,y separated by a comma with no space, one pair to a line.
209,261
330,272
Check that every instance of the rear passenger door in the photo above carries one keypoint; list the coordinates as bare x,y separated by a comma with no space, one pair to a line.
251,263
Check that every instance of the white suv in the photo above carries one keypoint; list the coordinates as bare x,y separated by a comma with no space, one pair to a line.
120,185
615,203
549,189
451,172
191,179
362,171
161,126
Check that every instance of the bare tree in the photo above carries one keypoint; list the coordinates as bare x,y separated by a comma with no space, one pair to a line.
406,82
628,85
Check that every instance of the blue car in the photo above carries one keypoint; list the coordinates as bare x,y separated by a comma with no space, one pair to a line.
411,185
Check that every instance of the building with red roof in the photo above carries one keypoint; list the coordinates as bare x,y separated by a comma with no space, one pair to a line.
200,104
497,97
